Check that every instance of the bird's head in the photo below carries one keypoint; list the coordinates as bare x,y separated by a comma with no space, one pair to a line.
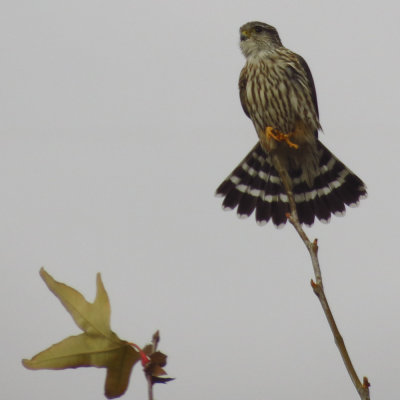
256,37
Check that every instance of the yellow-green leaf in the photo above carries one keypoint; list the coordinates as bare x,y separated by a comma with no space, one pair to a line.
98,346
90,317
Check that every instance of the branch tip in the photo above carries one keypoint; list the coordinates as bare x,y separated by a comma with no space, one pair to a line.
366,383
156,339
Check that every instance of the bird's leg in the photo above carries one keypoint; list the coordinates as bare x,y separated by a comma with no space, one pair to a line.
280,137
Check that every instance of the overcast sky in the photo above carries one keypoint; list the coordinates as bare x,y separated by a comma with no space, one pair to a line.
118,120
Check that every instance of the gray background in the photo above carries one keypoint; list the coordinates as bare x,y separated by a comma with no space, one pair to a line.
118,120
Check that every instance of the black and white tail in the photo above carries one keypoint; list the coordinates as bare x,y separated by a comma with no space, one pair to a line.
256,185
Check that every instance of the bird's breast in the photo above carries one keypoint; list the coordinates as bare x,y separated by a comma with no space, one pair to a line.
269,96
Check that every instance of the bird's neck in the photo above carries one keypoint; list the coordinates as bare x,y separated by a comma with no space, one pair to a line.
255,56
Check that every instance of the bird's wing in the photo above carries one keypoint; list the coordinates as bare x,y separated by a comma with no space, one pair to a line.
310,81
242,90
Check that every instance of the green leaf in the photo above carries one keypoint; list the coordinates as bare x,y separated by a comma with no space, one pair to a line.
98,346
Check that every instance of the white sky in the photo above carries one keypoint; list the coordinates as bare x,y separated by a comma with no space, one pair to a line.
118,121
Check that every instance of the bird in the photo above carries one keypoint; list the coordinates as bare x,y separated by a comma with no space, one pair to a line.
277,93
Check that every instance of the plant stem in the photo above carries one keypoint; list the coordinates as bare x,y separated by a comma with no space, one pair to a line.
154,341
312,247
149,387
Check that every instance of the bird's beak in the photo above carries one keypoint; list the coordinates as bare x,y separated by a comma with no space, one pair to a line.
244,35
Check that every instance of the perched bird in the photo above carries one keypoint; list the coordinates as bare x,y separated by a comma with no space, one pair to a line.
277,93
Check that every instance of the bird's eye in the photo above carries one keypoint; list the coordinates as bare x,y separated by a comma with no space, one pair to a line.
258,29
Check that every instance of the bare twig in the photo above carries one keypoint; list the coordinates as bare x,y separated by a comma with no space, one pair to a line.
312,247
154,341
149,387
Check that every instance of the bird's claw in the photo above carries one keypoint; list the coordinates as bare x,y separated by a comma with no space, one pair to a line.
280,137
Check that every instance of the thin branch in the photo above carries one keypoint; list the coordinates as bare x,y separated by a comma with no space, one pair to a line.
312,247
154,341
149,387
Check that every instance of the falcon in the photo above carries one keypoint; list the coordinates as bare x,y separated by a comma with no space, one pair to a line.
277,93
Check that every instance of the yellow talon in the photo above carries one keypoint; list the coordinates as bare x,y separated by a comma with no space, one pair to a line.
280,137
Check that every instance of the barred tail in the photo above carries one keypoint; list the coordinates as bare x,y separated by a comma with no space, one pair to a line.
256,185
